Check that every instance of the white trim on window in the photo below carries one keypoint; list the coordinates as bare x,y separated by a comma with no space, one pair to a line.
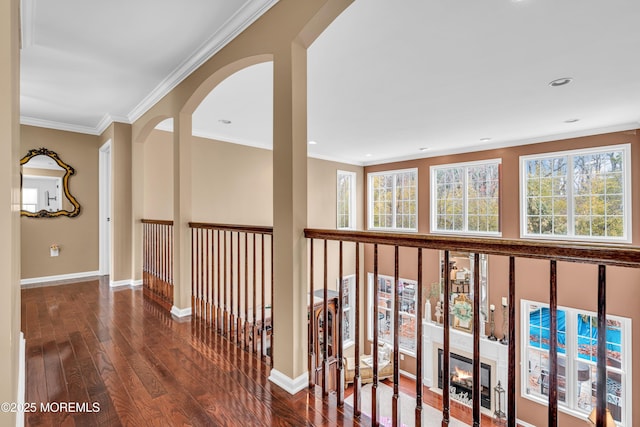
571,404
433,170
347,212
570,155
390,318
394,214
349,313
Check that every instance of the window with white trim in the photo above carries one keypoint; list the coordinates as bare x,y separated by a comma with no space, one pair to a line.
579,194
577,334
406,313
393,200
348,310
465,198
346,200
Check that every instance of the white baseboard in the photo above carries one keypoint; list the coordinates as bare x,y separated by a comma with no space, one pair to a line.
523,424
291,386
407,374
136,282
181,312
21,380
120,283
59,277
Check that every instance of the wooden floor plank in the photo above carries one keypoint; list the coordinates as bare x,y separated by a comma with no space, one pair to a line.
89,343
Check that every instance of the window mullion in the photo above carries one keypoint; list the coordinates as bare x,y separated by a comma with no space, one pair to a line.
570,359
393,201
570,208
465,200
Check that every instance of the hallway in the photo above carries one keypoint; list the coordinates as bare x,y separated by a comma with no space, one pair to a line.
87,343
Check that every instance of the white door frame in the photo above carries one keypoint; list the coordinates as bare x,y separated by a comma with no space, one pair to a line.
105,230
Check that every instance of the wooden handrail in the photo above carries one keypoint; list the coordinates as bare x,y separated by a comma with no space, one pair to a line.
593,253
157,221
257,229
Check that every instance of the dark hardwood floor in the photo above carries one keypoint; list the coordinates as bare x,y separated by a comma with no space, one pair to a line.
87,343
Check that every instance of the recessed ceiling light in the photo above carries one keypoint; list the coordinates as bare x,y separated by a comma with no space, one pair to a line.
312,142
572,120
561,81
485,139
224,121
424,149
368,155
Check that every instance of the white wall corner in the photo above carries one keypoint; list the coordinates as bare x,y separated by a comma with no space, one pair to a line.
291,386
22,371
181,312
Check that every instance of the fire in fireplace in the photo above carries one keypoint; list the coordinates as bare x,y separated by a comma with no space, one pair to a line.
461,379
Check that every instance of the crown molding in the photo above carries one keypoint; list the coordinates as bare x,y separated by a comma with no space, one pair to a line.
240,20
104,123
514,143
246,142
335,159
50,124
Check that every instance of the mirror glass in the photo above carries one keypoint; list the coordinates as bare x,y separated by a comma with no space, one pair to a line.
45,186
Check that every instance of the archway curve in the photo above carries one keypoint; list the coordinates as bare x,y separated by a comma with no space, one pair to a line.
150,125
201,92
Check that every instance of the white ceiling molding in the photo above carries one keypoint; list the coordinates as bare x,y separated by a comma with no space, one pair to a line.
30,121
244,17
506,144
167,126
335,159
106,121
208,135
27,26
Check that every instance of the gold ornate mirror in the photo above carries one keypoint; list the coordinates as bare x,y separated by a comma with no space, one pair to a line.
45,186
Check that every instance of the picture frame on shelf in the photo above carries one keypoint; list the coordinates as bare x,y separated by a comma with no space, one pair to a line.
462,310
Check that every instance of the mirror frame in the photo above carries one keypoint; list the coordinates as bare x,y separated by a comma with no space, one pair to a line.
65,185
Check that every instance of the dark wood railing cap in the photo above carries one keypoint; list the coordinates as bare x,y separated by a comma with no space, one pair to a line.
593,253
258,229
157,221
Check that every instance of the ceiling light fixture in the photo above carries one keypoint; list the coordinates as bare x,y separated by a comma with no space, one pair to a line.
485,139
312,142
224,121
424,149
561,81
571,120
368,155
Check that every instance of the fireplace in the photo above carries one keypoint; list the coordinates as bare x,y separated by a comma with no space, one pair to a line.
461,379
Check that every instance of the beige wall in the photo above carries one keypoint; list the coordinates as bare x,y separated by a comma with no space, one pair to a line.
10,208
158,176
77,237
232,184
577,282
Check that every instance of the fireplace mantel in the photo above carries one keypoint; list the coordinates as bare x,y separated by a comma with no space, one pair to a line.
461,343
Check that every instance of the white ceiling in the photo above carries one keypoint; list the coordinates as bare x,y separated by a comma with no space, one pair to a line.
386,79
